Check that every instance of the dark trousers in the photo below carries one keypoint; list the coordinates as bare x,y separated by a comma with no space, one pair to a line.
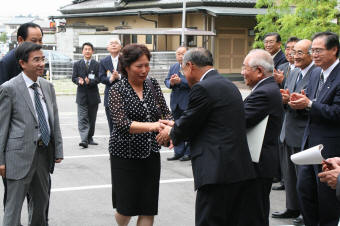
318,201
290,177
109,120
183,147
282,162
87,115
225,204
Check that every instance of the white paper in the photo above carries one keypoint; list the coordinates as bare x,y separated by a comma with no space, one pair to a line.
311,156
91,76
255,137
108,73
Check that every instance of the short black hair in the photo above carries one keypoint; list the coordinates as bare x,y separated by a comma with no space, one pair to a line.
87,44
292,39
23,51
23,30
130,54
332,40
277,36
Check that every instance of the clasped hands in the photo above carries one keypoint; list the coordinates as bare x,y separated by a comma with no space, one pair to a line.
163,137
295,100
175,79
330,171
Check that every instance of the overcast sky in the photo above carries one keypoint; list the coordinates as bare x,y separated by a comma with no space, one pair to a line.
42,8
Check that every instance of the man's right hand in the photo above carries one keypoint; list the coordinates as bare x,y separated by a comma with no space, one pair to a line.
174,79
3,171
285,95
80,80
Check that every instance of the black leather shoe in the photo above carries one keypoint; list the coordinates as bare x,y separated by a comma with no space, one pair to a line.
299,220
175,157
276,180
185,158
83,144
279,188
286,214
93,143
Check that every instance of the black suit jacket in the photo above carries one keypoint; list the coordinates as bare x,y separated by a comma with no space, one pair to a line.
105,66
323,125
266,100
87,94
279,59
9,67
215,128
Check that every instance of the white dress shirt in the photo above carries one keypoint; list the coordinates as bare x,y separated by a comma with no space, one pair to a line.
115,62
206,73
29,83
328,71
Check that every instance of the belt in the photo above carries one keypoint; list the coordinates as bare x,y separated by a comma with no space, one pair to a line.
41,144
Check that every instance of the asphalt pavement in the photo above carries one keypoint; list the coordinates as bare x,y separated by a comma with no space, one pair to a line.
81,191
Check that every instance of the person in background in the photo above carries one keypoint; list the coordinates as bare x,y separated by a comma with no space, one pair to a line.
272,44
109,73
136,105
86,77
179,98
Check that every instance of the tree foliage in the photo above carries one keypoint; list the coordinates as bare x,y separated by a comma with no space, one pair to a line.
300,18
3,37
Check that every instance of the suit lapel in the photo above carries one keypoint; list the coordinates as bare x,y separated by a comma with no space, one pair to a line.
110,64
326,87
47,97
305,79
293,78
27,97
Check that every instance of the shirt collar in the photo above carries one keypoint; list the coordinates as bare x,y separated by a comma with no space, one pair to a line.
328,71
257,84
206,73
292,66
304,71
29,81
114,58
276,53
85,60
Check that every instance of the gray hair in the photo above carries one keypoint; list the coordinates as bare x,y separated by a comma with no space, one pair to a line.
114,40
199,56
261,58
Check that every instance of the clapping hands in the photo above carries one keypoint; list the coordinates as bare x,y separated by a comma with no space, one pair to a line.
298,100
330,171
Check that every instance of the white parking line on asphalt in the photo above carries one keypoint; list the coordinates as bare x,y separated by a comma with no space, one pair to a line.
102,155
76,123
68,113
109,185
97,136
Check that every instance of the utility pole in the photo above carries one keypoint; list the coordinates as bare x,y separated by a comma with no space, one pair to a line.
183,23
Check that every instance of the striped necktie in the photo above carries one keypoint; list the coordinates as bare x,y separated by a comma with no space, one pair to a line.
45,134
320,86
298,80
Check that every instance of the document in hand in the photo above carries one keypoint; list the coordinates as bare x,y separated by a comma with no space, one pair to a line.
255,137
310,156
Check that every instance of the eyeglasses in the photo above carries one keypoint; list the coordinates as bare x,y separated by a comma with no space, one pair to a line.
317,51
244,67
37,60
298,53
269,42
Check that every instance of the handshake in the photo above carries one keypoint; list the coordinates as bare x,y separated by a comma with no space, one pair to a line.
163,137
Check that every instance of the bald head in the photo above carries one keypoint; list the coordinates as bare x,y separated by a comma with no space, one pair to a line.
180,53
302,57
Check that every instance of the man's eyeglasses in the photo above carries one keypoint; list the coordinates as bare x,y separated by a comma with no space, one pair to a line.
298,53
317,51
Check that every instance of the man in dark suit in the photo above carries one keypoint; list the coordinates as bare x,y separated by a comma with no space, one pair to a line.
264,100
272,44
214,126
294,124
281,75
86,77
178,100
30,137
109,73
283,70
318,202
9,67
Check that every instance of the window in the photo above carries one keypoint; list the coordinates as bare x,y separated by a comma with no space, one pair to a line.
148,39
134,38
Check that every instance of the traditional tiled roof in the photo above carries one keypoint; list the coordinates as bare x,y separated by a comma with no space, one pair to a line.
92,6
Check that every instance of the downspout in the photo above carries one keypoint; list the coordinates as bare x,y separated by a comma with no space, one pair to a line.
156,26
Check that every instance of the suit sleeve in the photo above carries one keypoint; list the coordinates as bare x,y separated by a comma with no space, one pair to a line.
75,74
193,119
4,75
5,110
338,188
58,140
328,111
256,108
167,79
102,74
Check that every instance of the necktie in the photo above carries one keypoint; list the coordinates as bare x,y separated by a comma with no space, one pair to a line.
87,64
299,78
321,83
45,135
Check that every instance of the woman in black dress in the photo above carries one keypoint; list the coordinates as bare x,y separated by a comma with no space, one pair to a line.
136,104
